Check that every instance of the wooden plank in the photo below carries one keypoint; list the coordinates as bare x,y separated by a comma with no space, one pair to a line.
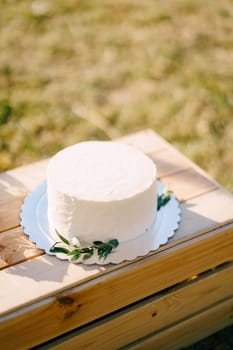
203,213
14,186
105,294
165,145
10,186
189,331
9,212
168,162
187,184
15,247
56,275
147,141
151,315
22,179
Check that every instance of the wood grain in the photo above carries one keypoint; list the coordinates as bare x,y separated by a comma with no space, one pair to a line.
14,186
168,162
147,141
203,213
106,294
20,180
187,184
151,315
189,331
10,212
15,247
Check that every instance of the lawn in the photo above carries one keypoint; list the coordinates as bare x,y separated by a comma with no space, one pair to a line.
80,70
97,69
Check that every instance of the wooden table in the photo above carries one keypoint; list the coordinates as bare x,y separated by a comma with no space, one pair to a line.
167,299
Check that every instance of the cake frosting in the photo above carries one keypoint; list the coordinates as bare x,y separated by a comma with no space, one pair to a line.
101,190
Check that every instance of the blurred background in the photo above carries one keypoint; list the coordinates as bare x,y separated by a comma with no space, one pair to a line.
74,70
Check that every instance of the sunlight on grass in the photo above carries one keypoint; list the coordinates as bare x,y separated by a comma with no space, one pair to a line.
73,71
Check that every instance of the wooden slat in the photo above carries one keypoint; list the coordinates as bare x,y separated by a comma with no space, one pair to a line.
203,213
187,184
10,186
106,294
149,316
9,212
166,146
23,178
14,186
147,141
15,247
168,162
189,331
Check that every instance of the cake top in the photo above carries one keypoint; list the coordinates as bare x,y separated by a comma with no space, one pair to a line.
101,171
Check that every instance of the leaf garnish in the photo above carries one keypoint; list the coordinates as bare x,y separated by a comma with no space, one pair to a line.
102,249
55,249
64,240
163,199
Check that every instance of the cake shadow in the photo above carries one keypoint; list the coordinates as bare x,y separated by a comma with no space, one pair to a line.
47,268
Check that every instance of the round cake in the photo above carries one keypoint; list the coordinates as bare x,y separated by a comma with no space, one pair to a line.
101,190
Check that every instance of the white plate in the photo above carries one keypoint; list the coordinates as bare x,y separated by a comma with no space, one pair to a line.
35,224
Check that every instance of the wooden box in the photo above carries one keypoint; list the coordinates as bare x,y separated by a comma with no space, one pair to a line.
166,300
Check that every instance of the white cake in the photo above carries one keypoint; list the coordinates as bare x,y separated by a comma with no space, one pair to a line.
101,190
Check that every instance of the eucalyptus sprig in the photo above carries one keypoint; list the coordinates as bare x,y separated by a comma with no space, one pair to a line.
163,199
76,251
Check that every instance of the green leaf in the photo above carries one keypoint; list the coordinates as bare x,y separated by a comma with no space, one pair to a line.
76,256
108,248
166,200
163,199
97,243
64,240
100,252
85,250
114,243
107,251
74,252
59,250
87,256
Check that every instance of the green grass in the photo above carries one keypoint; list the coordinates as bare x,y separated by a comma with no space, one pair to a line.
79,70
